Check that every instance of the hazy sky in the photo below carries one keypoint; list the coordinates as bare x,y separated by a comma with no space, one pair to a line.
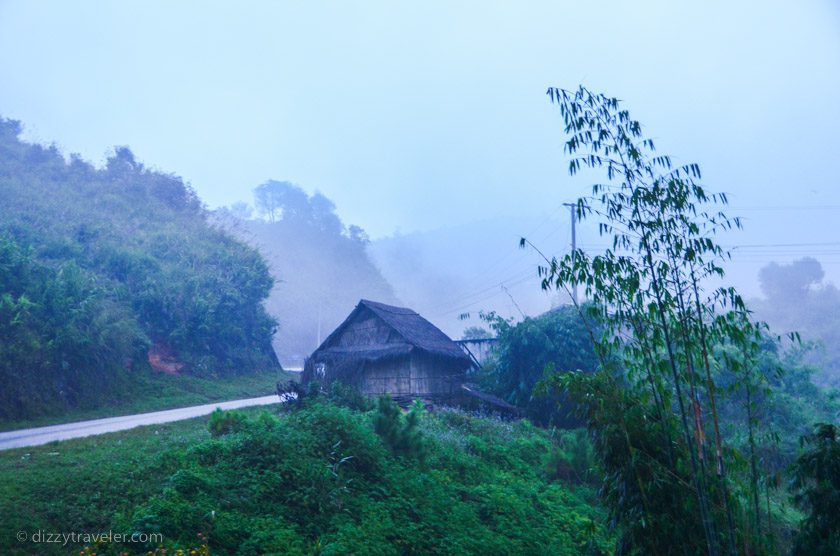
415,116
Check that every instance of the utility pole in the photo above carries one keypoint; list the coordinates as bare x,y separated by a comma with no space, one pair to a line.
319,323
572,207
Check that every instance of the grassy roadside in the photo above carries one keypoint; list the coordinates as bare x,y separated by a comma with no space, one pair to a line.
81,484
320,479
152,391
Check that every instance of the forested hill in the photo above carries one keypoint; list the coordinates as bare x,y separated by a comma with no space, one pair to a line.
104,272
321,267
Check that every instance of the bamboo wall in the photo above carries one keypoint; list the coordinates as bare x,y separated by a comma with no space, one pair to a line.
412,375
417,375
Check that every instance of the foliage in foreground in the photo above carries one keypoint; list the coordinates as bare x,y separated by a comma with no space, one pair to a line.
673,483
80,485
320,480
817,486
557,342
782,411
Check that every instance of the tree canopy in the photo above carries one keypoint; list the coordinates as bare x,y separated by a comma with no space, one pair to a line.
101,271
321,267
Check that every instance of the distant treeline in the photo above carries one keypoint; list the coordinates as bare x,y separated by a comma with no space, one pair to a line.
102,271
797,298
321,267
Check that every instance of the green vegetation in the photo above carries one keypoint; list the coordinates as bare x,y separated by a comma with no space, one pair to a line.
531,353
783,410
116,291
817,486
532,349
675,361
318,479
80,485
106,271
531,356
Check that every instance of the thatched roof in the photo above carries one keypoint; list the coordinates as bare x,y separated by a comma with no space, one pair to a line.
416,330
417,333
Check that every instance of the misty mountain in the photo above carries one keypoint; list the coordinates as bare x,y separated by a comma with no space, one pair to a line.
321,267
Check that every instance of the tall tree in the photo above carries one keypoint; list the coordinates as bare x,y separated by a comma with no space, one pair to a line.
652,408
270,197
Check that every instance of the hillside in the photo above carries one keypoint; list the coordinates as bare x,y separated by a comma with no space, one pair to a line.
107,272
322,479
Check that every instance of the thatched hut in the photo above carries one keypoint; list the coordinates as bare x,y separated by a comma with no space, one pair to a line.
382,349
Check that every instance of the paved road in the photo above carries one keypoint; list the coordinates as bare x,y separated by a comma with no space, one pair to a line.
43,435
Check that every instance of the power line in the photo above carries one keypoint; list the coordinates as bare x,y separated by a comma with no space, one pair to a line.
572,207
487,297
814,244
480,278
481,292
748,253
785,207
479,275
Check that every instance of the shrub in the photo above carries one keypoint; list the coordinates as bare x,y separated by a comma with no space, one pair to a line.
400,433
321,481
226,422
554,342
816,485
349,396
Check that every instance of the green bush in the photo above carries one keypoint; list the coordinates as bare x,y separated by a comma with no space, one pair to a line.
816,484
225,422
349,396
97,266
572,458
554,342
328,480
65,340
400,433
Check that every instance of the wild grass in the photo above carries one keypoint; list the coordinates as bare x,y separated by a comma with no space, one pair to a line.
81,484
318,479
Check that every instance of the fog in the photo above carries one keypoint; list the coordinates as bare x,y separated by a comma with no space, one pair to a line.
195,195
798,299
427,125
